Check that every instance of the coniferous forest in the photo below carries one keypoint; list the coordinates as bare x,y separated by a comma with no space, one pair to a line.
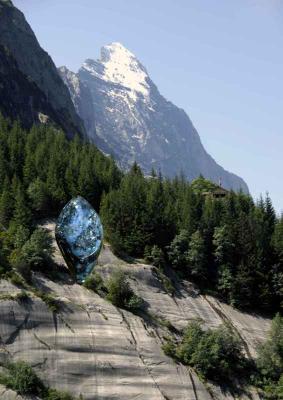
175,290
232,246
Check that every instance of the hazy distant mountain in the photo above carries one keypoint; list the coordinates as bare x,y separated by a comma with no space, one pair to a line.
30,87
134,122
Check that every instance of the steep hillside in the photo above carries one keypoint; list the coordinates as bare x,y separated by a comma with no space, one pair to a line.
30,86
136,123
95,349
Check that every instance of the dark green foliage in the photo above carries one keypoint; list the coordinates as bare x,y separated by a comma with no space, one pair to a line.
178,250
278,237
196,256
231,245
49,300
41,171
216,354
22,214
155,256
22,267
270,362
219,355
274,391
120,293
201,185
169,348
37,251
31,252
22,297
17,279
124,213
270,359
165,281
6,204
21,378
95,282
39,196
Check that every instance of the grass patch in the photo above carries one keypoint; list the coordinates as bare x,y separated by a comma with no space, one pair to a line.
20,377
166,282
21,297
52,303
163,322
17,280
95,283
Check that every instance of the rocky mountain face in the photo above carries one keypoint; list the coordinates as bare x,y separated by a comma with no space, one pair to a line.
30,87
134,122
92,348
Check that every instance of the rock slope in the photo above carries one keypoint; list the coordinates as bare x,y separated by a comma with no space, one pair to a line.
95,349
30,87
134,122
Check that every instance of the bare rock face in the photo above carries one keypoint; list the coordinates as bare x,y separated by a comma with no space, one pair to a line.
92,348
29,81
134,122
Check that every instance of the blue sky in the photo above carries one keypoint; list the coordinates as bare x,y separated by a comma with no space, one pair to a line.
219,60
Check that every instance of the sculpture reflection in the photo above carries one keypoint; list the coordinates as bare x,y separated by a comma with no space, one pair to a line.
79,235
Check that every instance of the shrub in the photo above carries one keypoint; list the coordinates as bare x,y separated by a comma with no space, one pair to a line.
166,282
37,251
218,355
178,249
21,378
215,354
95,283
134,303
169,348
120,293
3,271
17,280
270,362
22,296
22,267
155,256
270,359
192,336
52,303
274,391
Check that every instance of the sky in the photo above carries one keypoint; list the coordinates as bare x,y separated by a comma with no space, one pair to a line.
219,60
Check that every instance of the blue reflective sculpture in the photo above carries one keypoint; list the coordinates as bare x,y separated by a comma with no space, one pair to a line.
79,235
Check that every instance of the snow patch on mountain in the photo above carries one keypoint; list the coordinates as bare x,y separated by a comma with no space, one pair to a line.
118,65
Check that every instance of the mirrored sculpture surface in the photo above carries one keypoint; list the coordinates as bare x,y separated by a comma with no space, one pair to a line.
79,235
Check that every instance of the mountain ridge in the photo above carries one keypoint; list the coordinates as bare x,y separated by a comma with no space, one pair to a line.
35,87
136,123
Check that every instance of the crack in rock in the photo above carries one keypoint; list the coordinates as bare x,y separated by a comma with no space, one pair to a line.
147,368
226,319
16,332
41,341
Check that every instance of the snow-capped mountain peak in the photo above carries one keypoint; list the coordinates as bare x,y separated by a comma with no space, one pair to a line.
134,122
119,66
